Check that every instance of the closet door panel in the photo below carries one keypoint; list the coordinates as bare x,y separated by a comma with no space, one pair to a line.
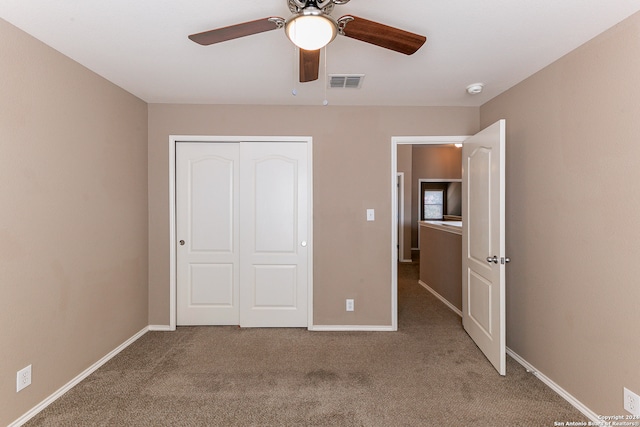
274,234
207,226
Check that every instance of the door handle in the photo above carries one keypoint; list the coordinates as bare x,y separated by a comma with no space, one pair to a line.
181,242
303,243
493,259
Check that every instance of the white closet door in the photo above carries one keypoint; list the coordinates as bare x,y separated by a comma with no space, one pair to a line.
274,234
207,227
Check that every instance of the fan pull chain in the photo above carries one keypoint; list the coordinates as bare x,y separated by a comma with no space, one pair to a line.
294,91
326,101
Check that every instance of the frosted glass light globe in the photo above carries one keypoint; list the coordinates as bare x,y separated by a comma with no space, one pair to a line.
311,32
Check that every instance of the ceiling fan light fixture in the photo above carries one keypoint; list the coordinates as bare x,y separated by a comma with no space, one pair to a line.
311,29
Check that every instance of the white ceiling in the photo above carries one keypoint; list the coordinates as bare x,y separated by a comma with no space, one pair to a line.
142,46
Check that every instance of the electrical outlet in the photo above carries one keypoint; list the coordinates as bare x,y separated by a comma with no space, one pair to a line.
23,378
350,305
631,402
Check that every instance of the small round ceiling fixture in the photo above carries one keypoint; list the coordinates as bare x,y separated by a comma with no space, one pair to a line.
475,88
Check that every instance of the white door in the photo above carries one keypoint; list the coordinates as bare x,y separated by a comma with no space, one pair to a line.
207,227
274,234
483,242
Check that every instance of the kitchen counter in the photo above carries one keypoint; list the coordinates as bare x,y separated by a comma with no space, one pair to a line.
448,226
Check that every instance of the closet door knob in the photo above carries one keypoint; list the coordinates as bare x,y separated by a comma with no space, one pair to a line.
303,243
181,242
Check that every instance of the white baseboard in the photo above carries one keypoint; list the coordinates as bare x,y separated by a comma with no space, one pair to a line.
441,298
49,400
530,368
166,328
338,328
555,387
406,260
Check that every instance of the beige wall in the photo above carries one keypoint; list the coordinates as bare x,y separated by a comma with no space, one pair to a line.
441,263
431,162
352,170
573,150
73,218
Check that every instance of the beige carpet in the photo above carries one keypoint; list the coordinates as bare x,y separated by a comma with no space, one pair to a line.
429,373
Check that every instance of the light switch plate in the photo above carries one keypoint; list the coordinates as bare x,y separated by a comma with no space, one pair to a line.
371,214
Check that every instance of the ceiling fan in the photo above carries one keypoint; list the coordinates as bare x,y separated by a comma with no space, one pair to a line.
311,27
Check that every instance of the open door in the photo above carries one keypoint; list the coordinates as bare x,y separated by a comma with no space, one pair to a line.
483,242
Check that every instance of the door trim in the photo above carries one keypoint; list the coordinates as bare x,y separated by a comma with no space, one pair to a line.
395,141
401,223
173,141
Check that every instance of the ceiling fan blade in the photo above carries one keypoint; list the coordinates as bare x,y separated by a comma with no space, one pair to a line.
234,31
309,65
382,35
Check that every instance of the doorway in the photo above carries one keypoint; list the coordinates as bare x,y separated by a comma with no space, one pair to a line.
395,143
483,236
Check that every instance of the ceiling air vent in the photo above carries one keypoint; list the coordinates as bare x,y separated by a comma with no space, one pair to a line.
345,81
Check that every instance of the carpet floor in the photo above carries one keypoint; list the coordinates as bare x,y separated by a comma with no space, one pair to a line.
428,373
